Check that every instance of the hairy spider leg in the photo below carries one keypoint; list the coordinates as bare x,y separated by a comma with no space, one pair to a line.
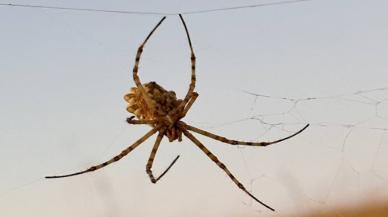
136,67
222,166
154,150
193,61
235,142
152,157
193,77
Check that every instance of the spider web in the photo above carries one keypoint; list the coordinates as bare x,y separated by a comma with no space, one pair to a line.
349,129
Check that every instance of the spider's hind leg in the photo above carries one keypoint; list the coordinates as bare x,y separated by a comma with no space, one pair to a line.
222,166
236,142
152,157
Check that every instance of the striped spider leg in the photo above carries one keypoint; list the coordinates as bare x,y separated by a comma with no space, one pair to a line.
114,159
235,142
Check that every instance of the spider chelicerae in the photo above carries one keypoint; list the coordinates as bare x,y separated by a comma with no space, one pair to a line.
159,108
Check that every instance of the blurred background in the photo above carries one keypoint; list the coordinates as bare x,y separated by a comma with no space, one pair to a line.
263,72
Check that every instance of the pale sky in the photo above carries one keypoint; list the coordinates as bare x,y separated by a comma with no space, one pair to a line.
64,75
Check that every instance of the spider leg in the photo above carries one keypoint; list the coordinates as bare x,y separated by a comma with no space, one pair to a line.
131,121
221,165
235,142
114,159
136,67
193,60
152,157
193,77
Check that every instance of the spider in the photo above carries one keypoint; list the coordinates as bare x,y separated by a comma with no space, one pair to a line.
159,108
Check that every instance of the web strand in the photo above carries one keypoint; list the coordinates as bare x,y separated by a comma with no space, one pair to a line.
156,13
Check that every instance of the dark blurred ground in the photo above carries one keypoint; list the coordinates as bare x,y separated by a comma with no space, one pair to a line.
369,209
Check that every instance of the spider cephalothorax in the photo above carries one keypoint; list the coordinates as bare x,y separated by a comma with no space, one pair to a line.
153,105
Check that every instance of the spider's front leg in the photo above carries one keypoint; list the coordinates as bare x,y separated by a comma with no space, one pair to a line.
193,63
136,66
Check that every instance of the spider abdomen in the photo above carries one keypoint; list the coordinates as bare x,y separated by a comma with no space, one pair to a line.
161,100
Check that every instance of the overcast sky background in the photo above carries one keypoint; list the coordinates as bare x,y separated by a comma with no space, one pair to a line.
64,75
